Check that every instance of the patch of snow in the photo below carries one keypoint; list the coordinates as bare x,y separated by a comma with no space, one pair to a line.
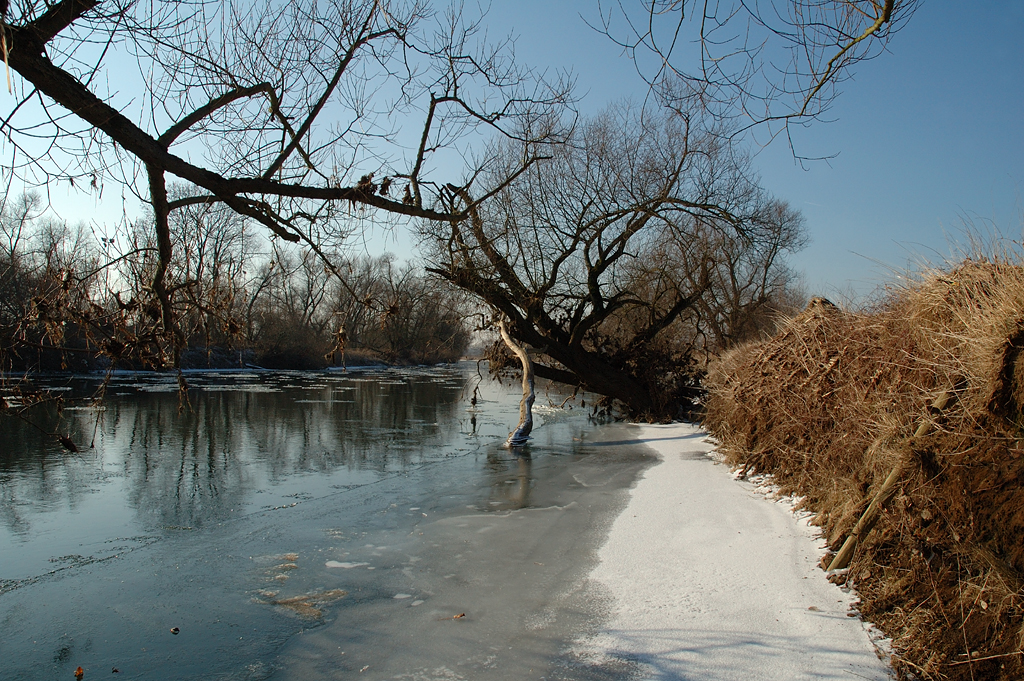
347,566
714,577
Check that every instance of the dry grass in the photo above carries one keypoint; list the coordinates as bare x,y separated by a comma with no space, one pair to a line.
829,406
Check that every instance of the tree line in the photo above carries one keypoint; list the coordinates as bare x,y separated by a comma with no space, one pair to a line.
72,301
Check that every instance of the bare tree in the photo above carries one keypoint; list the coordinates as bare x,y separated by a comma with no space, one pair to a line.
753,62
214,248
580,256
47,268
16,267
418,318
294,114
384,312
748,285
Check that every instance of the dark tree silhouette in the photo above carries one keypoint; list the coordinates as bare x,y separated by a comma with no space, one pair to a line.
295,114
601,257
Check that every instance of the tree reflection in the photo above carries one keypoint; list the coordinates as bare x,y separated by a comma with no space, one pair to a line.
240,434
511,476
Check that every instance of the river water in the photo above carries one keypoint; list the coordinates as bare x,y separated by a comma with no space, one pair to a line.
304,526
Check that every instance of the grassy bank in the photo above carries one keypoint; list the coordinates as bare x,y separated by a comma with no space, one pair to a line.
830,406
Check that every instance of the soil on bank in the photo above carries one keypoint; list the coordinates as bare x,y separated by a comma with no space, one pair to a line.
830,406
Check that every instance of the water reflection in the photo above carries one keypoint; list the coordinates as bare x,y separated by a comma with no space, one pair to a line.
511,479
238,435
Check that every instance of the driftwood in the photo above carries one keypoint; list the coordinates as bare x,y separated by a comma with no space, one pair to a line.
521,435
884,494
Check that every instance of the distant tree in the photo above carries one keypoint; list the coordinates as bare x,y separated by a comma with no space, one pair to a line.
215,254
214,250
295,114
749,285
48,268
382,311
17,267
419,319
602,257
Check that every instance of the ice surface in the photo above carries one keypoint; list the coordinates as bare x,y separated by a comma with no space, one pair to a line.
243,520
711,580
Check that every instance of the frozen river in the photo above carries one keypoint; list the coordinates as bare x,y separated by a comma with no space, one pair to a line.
305,525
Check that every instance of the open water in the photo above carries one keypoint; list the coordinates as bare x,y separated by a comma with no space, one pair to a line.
304,525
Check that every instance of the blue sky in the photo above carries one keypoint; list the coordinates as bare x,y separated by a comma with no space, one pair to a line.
927,135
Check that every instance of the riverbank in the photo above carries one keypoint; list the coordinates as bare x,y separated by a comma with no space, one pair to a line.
711,580
914,409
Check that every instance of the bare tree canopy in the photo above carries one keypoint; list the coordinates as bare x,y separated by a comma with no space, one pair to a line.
773,62
289,112
293,99
600,257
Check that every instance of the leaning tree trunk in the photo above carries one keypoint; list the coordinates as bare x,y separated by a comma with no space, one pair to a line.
521,435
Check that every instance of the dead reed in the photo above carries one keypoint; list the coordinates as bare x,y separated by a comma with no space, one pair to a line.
830,405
